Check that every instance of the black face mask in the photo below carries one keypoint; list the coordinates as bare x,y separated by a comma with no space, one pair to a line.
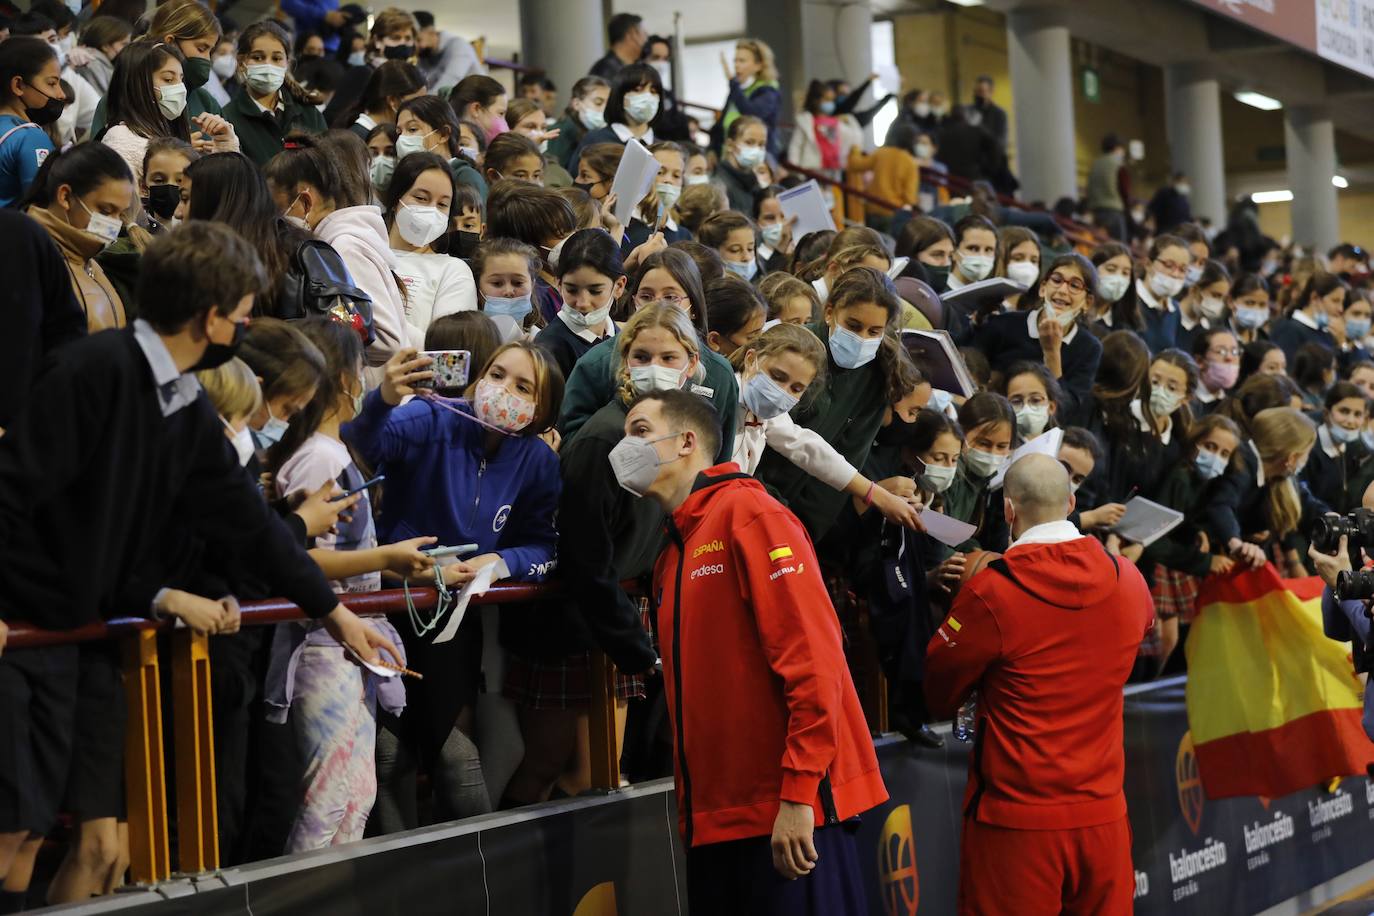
898,432
217,354
50,112
939,277
398,52
584,186
464,243
162,201
196,72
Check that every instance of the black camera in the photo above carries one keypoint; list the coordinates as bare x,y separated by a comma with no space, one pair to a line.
1358,526
1355,585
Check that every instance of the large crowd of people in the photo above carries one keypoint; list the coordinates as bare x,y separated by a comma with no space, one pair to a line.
241,255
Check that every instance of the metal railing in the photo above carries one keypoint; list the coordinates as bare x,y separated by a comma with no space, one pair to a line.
197,818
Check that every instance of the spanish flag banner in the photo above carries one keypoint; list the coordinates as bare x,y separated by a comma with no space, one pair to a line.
1273,705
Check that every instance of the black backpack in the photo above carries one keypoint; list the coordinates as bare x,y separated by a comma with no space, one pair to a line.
317,283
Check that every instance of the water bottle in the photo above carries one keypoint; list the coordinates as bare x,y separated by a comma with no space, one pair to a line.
965,718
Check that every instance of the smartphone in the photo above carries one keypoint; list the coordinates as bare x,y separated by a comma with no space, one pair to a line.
450,368
449,551
376,480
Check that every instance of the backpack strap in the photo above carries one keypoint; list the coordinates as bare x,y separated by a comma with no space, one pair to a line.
15,128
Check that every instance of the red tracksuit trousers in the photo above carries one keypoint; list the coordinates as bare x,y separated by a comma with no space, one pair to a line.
1086,870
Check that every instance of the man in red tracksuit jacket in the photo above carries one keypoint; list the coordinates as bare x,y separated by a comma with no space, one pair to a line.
773,757
1047,635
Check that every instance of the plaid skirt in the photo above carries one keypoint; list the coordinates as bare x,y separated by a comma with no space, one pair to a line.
565,683
1175,594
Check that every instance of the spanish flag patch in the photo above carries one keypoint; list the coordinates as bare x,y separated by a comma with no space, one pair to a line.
780,554
954,625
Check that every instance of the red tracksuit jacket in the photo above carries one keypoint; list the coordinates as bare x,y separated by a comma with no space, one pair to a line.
1049,654
760,698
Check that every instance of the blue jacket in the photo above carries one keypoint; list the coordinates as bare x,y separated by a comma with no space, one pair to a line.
309,17
1346,621
441,482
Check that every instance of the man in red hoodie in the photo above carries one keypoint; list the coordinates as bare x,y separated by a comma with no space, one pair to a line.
1047,635
773,758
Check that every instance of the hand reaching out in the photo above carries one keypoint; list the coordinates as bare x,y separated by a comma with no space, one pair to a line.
401,372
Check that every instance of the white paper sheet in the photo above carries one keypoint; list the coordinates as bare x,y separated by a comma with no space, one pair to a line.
477,585
810,205
375,669
889,79
946,530
634,178
1047,443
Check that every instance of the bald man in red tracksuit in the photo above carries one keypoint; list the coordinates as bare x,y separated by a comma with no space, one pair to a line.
1047,636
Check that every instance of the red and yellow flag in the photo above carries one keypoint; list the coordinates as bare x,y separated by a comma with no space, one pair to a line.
1273,705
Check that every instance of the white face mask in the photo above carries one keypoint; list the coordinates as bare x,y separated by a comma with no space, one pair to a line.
410,143
751,157
171,100
1031,420
975,266
420,225
692,180
1023,272
938,477
105,228
1212,307
225,66
667,193
242,440
264,79
1112,287
1165,286
655,378
585,321
924,151
984,464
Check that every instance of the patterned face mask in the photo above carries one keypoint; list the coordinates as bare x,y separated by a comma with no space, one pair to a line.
502,409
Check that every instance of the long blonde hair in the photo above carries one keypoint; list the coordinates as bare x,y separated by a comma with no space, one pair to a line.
768,67
670,318
1277,433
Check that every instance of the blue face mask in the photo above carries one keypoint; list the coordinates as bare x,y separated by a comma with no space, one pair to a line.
764,398
1357,329
1210,465
827,108
1341,435
745,269
273,430
515,308
850,350
1250,317
1322,319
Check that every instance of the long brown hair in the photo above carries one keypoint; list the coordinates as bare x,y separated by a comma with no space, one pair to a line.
1123,371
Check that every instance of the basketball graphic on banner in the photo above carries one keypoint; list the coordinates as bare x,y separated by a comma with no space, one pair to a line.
1190,794
599,901
897,877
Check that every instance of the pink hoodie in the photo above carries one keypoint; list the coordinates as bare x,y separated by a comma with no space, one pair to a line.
361,239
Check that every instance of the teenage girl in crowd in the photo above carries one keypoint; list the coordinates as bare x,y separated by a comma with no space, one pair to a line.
591,279
392,83
975,251
505,271
513,156
1321,302
1249,307
1339,453
776,369
482,100
743,167
821,269
1115,304
663,196
1158,288
989,425
732,235
426,124
1202,306
775,232
381,150
1217,355
735,314
271,105
472,472
849,409
586,112
1260,507
606,535
526,117
1183,557
632,111
666,277
790,301
332,701
418,208
228,188
1053,333
147,101
1034,394
79,198
30,64
328,190
164,166
596,168
929,243
1262,357
1018,259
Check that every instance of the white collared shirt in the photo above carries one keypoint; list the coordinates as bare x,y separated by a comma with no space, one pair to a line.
1033,327
1139,413
280,106
1142,289
1204,396
1189,323
1305,319
952,282
1106,317
1329,445
587,334
1259,464
624,134
821,289
1048,533
175,389
365,121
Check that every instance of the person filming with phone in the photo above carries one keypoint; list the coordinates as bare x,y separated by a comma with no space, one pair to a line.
468,471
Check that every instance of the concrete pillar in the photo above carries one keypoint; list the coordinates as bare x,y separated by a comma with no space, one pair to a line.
1310,141
813,39
565,37
1192,98
1042,103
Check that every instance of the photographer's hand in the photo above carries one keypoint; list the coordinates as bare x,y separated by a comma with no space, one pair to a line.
1328,567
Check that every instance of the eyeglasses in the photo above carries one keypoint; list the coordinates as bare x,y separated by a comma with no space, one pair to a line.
1035,400
1224,352
644,298
1073,283
1173,268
